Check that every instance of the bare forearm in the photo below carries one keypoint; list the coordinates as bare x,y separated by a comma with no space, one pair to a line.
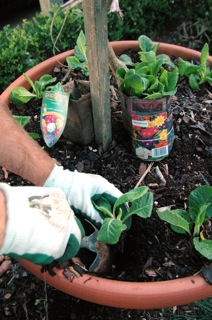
2,216
19,153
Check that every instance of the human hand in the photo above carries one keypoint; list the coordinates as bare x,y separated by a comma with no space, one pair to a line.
4,265
81,189
41,227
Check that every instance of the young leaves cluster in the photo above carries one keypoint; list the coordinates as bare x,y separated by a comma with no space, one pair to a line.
192,221
21,95
116,218
79,60
152,78
197,74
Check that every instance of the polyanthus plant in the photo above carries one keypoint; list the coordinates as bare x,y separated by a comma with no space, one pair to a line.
197,74
153,78
20,95
79,59
117,218
195,220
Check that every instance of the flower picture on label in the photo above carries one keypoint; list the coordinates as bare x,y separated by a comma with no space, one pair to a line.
52,126
152,135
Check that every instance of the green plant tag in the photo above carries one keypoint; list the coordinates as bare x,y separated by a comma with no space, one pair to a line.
54,111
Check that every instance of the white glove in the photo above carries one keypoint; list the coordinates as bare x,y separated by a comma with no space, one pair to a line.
81,189
41,226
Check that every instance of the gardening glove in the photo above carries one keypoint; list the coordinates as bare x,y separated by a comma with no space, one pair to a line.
81,189
41,227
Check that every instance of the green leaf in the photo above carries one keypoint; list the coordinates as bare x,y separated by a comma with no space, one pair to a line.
142,69
129,73
104,206
29,80
121,72
130,196
126,59
169,93
154,85
34,135
45,80
199,197
175,218
204,55
154,96
204,247
186,67
111,231
147,56
209,79
165,59
135,85
78,54
172,79
184,214
200,218
142,207
81,44
145,43
22,120
21,95
194,82
73,62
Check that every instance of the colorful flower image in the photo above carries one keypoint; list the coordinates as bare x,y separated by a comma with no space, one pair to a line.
147,144
52,125
152,131
59,123
159,121
149,132
137,128
161,144
50,139
163,135
151,124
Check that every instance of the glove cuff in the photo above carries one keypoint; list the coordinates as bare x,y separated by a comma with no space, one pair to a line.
53,178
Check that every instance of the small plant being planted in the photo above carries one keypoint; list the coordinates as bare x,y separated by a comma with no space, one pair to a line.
197,74
196,221
118,218
79,59
20,95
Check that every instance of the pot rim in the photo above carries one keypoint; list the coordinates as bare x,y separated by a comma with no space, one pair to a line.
120,294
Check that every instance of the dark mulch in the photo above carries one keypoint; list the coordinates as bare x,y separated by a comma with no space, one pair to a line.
152,251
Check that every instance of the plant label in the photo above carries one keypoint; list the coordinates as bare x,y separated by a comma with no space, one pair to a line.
54,111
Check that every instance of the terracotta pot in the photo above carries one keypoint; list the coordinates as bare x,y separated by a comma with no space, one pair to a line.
130,295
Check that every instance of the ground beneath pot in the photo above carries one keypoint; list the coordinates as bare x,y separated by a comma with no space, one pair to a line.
156,253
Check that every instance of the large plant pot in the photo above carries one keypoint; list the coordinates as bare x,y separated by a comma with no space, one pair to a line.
131,295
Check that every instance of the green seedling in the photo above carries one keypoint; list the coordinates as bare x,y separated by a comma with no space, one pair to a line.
23,121
153,78
117,218
20,95
197,74
79,60
193,221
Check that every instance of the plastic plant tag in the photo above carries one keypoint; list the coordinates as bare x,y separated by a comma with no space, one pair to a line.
54,111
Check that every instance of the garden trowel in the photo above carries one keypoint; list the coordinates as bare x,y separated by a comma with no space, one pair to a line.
102,260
